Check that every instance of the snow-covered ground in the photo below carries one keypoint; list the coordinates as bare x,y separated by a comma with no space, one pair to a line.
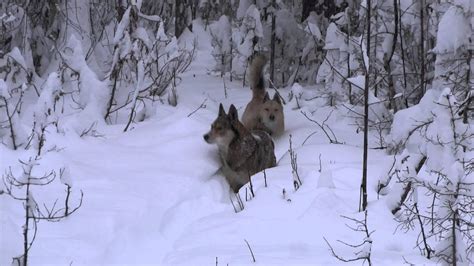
154,195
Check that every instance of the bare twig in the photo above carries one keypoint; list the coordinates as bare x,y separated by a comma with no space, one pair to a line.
251,185
294,167
365,247
251,252
277,92
325,128
265,177
201,106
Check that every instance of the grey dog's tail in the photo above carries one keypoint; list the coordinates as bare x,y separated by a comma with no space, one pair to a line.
256,79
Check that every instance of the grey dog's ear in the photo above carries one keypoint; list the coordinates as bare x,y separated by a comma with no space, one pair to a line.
233,115
221,110
267,97
276,98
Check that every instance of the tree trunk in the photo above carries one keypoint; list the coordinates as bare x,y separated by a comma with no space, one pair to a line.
272,55
422,48
453,231
402,50
388,60
363,185
348,61
10,121
465,113
407,189
27,223
181,17
373,57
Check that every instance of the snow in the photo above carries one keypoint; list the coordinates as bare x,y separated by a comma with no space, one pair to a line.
11,18
92,91
65,177
154,195
32,205
141,34
365,55
4,89
407,119
297,89
252,20
453,31
222,30
155,18
326,180
15,54
287,28
243,7
313,29
358,81
160,34
334,39
388,39
465,4
122,26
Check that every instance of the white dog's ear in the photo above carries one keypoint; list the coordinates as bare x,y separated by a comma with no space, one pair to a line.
276,98
221,110
233,115
267,97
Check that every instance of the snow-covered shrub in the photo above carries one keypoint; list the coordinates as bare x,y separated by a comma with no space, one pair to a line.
16,84
436,168
162,59
287,47
312,54
25,185
379,116
211,10
242,8
12,133
333,70
341,59
14,69
247,38
48,108
81,86
24,181
14,29
221,32
387,62
454,47
296,96
362,251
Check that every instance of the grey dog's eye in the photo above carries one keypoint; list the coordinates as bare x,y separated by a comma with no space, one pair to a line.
276,110
266,109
